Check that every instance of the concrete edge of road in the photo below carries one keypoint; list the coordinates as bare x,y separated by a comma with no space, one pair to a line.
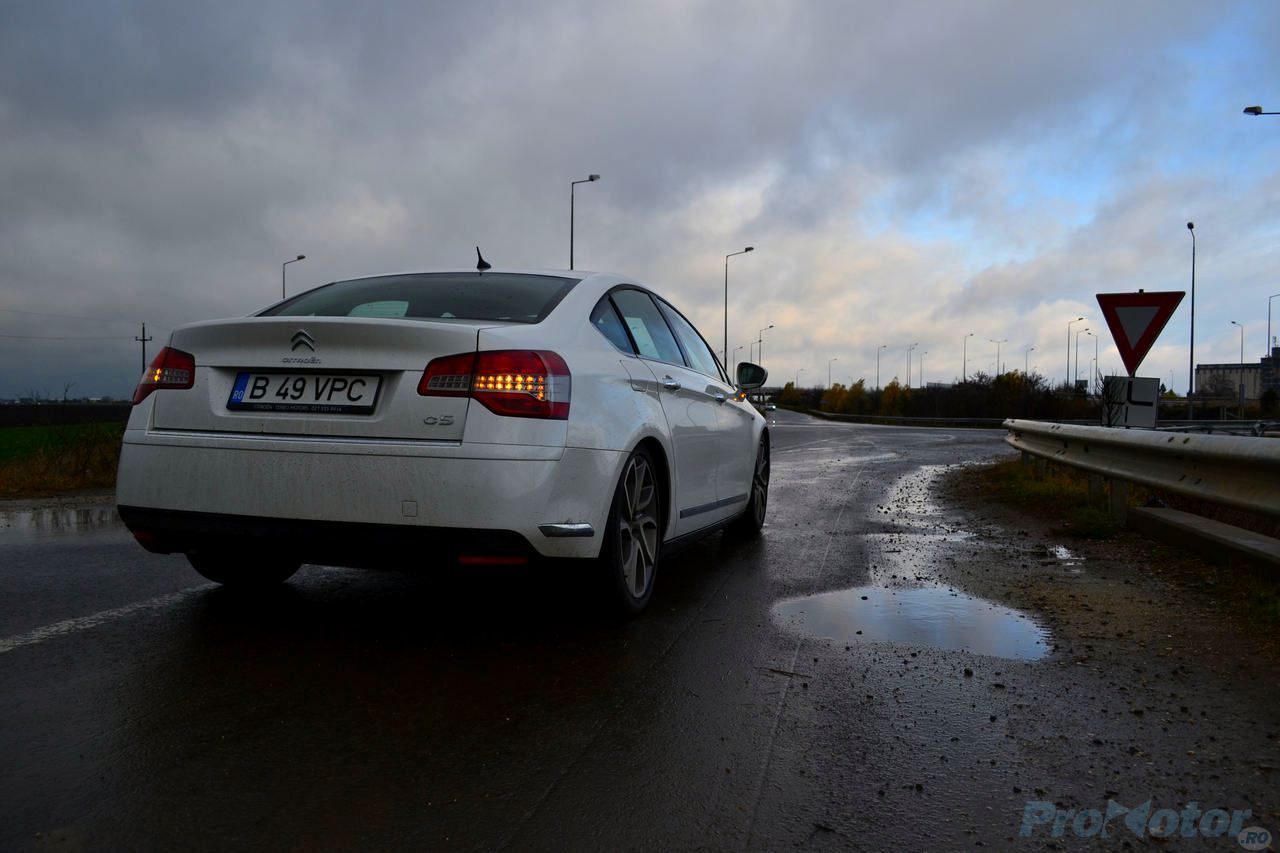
1214,540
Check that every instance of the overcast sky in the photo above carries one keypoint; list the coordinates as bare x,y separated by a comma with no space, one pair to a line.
909,171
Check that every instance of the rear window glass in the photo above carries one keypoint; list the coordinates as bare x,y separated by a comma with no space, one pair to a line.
606,320
505,297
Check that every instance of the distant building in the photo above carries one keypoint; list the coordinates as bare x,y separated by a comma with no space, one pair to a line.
1223,380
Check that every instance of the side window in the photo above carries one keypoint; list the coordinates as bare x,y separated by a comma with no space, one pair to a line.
648,329
604,318
700,356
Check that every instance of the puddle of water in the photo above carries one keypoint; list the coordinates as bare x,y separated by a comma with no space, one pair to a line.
919,616
55,521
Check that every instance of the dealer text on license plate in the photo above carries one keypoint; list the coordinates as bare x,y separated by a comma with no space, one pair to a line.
305,392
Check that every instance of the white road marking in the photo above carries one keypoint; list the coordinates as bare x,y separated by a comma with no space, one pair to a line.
82,623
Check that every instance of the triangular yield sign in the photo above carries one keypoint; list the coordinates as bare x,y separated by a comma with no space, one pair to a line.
1136,320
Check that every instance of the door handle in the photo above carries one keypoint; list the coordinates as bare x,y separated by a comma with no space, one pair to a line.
670,384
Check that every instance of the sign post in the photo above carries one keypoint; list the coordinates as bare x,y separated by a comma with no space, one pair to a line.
1135,321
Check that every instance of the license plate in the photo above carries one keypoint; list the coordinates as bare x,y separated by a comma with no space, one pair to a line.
321,393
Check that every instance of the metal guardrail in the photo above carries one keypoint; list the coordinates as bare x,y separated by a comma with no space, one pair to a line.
1237,471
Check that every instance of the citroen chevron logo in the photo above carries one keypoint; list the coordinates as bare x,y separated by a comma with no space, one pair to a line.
302,339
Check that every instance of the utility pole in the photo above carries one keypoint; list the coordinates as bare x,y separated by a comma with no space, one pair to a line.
143,340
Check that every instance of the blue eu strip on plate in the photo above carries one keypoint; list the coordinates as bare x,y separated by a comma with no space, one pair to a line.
237,392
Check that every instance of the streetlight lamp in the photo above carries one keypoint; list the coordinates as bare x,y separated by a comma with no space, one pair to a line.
1075,374
1066,377
998,343
1026,359
829,370
1259,111
725,352
282,271
964,356
572,184
882,346
1191,359
1241,404
909,349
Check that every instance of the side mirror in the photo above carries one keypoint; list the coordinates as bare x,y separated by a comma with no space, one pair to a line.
751,376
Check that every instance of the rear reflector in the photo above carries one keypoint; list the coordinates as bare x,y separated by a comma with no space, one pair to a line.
517,383
171,368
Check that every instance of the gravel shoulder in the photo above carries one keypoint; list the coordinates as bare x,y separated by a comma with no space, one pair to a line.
1163,677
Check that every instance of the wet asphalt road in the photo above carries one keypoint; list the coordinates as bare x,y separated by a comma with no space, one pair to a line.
145,709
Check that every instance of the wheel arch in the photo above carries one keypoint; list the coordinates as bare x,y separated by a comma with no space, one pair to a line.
663,464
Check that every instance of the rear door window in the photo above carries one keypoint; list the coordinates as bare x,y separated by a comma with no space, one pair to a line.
648,329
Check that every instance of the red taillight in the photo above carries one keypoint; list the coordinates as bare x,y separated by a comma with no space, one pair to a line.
518,383
171,368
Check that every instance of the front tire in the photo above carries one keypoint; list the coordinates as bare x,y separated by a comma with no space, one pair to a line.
633,535
751,522
240,572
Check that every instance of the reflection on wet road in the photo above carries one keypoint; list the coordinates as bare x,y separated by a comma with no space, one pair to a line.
29,524
921,616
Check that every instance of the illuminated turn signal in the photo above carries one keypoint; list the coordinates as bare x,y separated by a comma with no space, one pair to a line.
516,383
171,368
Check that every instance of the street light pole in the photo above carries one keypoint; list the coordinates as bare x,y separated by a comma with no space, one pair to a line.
797,383
909,349
922,355
829,370
725,352
1075,374
572,185
882,346
998,343
964,357
282,270
1093,378
1191,359
735,356
1066,376
1026,359
1269,298
760,341
1241,403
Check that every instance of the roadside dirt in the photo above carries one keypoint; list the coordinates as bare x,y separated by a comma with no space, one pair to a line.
1162,681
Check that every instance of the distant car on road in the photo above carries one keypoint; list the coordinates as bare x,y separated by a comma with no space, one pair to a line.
770,407
491,418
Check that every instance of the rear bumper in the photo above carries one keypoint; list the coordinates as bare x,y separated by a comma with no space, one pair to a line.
349,503
336,543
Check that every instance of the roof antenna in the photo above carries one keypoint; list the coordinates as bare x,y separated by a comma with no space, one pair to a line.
481,263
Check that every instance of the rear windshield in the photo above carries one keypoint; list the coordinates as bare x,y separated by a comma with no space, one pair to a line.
505,297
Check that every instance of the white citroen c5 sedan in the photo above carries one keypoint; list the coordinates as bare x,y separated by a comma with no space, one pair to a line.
497,417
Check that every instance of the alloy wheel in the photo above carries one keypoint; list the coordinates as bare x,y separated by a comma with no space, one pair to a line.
638,526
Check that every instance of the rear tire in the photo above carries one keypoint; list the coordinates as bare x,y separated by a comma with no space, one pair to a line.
751,522
633,535
240,572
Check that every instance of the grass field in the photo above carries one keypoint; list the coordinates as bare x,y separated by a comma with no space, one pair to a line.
37,461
